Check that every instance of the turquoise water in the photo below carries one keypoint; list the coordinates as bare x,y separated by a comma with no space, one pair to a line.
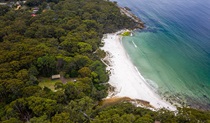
173,51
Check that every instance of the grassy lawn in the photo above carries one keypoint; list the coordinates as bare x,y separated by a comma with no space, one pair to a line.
48,82
127,33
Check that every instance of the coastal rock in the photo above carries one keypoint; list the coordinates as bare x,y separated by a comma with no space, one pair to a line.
126,11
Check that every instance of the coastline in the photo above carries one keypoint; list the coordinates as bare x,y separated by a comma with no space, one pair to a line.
126,11
124,77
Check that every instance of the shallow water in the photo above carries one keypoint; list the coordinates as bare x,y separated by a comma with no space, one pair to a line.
173,51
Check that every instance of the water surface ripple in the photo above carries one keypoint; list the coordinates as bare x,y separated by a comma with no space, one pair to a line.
173,51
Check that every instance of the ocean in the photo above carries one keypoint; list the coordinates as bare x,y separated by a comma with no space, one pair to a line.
173,51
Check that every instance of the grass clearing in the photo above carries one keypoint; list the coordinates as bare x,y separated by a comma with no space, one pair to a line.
48,82
127,33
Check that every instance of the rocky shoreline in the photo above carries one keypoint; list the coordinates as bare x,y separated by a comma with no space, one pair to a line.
127,12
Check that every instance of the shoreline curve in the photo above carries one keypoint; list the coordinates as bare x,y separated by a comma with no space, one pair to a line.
124,76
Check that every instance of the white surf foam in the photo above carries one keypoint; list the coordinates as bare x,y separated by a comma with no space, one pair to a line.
134,44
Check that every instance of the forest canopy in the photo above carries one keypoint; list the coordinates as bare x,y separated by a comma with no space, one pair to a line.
48,37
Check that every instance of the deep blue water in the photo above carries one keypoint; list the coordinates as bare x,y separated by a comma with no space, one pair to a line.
173,51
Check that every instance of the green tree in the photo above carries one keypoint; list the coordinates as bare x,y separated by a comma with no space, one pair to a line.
42,119
30,91
23,75
84,48
12,120
85,72
18,109
11,89
3,10
41,106
71,91
84,86
80,110
61,118
99,69
145,119
46,65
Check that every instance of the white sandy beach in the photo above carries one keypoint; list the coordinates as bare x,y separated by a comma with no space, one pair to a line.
126,79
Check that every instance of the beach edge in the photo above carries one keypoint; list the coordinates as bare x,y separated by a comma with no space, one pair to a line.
127,84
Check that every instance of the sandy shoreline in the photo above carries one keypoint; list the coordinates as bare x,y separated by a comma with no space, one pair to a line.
126,79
